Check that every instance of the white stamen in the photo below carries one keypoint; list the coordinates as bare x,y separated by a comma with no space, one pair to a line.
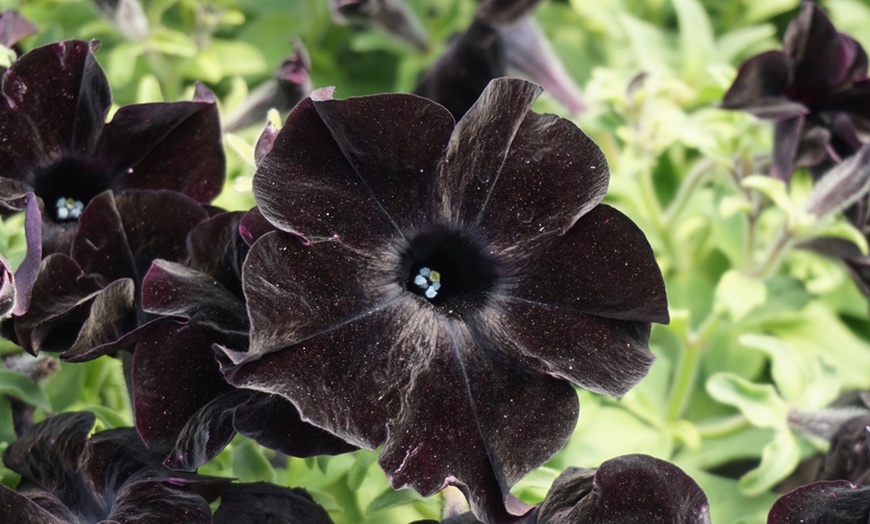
68,208
421,281
430,292
425,271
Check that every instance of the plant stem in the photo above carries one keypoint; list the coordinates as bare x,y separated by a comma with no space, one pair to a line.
686,373
687,187
774,255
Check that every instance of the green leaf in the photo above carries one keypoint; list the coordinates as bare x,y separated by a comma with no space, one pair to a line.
249,463
174,43
149,90
22,388
109,418
756,11
787,366
772,188
738,41
842,229
241,148
760,403
738,294
121,64
391,498
696,37
360,469
779,458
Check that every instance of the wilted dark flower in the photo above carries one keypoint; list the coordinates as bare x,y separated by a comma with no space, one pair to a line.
13,28
290,85
112,477
433,284
391,16
816,90
54,140
182,404
502,39
849,456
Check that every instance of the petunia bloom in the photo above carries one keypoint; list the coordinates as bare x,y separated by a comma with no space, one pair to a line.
436,287
816,90
69,477
55,142
182,404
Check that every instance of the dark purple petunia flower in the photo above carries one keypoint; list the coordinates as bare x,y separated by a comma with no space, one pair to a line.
632,489
816,90
436,287
69,477
56,144
85,303
182,404
13,28
390,16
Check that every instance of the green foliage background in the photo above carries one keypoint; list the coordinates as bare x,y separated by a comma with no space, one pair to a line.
760,337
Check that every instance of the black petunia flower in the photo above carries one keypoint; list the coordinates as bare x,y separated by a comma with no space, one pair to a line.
816,90
69,477
435,288
56,144
182,404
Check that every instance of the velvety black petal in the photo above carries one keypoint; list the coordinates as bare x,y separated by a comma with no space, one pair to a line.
287,307
458,78
786,139
50,455
156,225
632,489
61,298
171,289
823,502
254,225
479,147
20,509
100,245
265,142
174,374
603,266
552,175
70,116
149,500
761,88
206,432
274,422
598,354
848,458
360,365
493,423
112,314
305,185
506,12
396,162
261,503
217,249
174,146
821,58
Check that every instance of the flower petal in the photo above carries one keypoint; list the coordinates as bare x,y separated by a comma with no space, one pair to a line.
305,185
70,116
261,502
552,175
174,374
493,423
61,295
606,265
786,139
287,307
100,245
395,163
359,366
15,507
112,315
760,88
630,489
149,500
598,354
821,502
274,422
174,146
25,275
14,27
478,149
205,433
821,58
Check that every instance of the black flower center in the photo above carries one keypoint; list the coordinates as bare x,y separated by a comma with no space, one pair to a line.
450,269
67,186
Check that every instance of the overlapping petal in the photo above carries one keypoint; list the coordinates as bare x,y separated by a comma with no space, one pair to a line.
823,502
606,263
